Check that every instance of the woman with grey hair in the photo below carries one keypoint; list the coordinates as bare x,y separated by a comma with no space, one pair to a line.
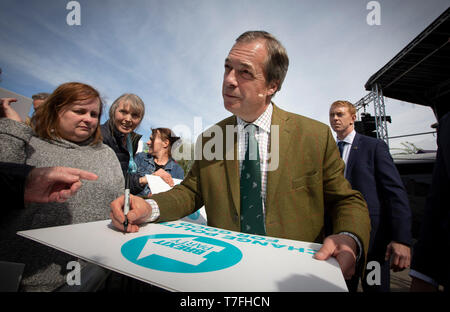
125,115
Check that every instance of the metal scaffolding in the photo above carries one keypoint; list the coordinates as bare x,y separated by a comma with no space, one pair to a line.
376,97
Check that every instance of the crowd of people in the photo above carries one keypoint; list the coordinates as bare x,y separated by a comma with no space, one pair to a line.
62,167
64,136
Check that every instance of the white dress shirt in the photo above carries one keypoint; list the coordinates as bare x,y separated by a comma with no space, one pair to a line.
347,147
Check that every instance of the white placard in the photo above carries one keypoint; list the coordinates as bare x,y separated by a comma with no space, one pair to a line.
158,185
183,256
23,104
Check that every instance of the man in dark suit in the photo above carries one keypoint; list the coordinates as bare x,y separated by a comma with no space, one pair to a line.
427,271
298,170
371,170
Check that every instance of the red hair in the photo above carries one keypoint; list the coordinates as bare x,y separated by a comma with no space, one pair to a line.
45,118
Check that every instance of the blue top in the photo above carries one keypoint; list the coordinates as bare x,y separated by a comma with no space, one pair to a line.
146,165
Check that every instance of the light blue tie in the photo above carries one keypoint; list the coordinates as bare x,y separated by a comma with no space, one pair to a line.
132,168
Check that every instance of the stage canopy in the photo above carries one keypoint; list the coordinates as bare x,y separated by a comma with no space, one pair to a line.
420,73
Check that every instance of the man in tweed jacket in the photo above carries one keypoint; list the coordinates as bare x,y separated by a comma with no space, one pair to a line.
302,173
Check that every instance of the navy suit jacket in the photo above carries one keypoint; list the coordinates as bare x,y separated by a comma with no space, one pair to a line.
371,170
431,251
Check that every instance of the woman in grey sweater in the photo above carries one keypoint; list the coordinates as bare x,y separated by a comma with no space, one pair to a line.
66,133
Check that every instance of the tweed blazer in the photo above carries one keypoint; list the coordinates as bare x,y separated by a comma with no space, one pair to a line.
308,179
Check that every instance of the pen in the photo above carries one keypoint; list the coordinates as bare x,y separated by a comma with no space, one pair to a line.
126,207
132,168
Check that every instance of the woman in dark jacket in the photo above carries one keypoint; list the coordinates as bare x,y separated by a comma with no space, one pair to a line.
125,115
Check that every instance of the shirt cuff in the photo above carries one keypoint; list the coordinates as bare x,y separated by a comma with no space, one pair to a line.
155,211
423,277
357,242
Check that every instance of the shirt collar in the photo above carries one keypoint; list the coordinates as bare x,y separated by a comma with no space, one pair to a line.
263,121
349,138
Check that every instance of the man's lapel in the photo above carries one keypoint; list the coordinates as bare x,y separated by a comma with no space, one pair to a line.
232,167
279,118
352,156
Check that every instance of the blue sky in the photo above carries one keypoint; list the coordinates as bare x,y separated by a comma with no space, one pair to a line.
171,53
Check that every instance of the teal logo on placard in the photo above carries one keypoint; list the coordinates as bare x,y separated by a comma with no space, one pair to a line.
195,215
181,253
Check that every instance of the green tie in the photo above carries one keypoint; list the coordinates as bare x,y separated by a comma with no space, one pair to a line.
252,218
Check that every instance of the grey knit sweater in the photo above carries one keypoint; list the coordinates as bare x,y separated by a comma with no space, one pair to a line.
45,268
